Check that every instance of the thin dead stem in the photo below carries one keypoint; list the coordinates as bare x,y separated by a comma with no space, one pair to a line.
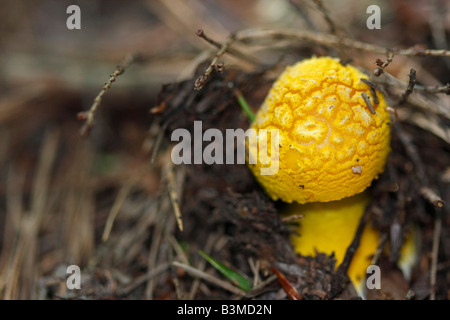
139,281
256,35
429,122
393,81
432,196
77,196
207,277
414,98
434,254
326,14
154,250
89,116
381,65
210,242
20,270
380,248
249,36
229,50
115,209
173,194
257,290
254,266
410,87
368,103
201,81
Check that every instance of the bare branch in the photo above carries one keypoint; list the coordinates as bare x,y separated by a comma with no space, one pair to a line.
207,277
432,197
173,194
383,64
327,16
373,88
409,89
201,81
431,122
88,116
393,81
368,103
232,51
434,254
253,35
434,89
415,98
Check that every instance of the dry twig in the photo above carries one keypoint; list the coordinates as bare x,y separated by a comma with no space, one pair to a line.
373,91
201,81
326,14
143,278
249,36
210,242
115,209
368,103
434,254
88,116
381,65
409,89
380,248
173,194
393,81
230,50
432,196
207,277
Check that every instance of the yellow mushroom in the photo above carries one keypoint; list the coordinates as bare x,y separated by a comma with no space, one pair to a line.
333,142
329,227
331,145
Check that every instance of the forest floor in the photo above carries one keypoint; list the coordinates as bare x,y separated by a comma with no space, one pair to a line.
97,188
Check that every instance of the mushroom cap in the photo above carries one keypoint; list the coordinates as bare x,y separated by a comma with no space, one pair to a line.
331,145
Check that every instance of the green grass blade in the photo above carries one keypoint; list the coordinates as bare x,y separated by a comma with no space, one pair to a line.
236,278
244,106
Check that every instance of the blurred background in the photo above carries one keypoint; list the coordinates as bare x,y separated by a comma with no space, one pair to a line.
97,202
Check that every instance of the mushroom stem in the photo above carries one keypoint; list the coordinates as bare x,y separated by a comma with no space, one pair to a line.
330,228
333,227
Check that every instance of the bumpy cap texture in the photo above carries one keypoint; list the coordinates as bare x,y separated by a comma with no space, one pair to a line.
331,144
